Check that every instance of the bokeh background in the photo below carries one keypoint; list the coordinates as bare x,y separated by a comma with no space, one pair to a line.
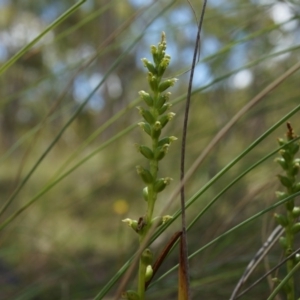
70,241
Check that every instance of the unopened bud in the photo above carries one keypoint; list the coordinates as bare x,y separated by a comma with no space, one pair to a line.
131,223
149,273
166,84
145,127
149,65
145,174
161,183
146,97
147,257
164,108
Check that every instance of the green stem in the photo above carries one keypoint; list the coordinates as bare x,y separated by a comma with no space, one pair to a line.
141,280
290,263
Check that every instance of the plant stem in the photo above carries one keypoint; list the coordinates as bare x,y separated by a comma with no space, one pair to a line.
141,280
290,263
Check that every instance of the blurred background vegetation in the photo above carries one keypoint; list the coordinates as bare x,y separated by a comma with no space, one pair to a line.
71,240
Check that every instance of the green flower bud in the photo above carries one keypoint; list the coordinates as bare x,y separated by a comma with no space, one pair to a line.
164,108
153,82
285,181
163,65
296,212
294,148
276,280
281,220
160,152
282,163
130,295
153,49
281,142
154,54
146,114
149,273
281,195
156,130
290,205
162,99
167,140
286,155
296,161
145,174
166,218
149,65
283,242
295,170
131,223
161,183
147,257
166,84
160,53
296,187
147,152
145,193
296,228
166,118
146,97
158,221
145,127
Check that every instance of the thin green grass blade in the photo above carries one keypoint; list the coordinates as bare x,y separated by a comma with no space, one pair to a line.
30,133
201,191
234,182
77,112
65,15
233,229
83,22
224,170
55,182
96,133
252,167
284,281
17,190
247,38
58,136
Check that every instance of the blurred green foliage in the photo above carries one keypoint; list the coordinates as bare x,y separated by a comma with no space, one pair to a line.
71,240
